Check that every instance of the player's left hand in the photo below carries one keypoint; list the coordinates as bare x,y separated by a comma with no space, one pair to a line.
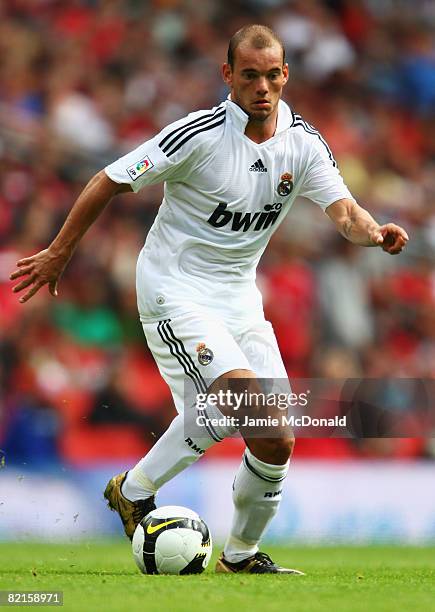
391,237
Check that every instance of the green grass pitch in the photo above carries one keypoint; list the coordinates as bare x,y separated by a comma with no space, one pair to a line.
102,576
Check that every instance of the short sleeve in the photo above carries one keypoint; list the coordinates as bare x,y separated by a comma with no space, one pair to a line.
171,155
323,183
148,164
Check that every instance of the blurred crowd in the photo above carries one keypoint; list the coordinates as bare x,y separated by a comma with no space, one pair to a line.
82,82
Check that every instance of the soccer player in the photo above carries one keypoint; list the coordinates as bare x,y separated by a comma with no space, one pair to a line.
230,176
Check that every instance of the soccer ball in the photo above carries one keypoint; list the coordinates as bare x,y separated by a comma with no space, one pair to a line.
172,540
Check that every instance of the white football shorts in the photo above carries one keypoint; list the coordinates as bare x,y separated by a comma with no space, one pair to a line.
198,347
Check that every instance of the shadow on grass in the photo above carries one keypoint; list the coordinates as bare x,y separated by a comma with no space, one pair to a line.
70,571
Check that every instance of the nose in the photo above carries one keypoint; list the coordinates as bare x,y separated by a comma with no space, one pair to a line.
262,88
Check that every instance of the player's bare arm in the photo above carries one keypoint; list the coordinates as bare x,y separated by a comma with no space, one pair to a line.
358,226
47,266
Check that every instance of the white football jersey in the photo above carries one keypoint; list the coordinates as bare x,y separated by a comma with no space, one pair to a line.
224,196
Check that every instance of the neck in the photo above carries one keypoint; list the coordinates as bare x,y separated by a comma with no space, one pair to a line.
260,131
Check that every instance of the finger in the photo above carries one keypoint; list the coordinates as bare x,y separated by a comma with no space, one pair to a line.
399,242
31,293
377,238
53,288
392,228
396,247
25,283
392,237
390,248
21,272
398,232
25,261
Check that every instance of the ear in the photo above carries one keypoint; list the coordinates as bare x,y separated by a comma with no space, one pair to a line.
227,74
285,72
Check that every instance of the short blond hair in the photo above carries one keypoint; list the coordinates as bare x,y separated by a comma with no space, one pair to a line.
258,36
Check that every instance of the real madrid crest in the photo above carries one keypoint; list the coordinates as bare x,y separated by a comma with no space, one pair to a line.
205,355
285,186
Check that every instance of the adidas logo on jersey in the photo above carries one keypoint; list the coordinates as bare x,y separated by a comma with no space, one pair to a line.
258,166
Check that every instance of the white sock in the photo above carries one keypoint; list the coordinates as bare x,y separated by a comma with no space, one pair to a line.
169,456
257,493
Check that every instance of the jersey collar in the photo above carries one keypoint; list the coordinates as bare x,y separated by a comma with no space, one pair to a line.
240,118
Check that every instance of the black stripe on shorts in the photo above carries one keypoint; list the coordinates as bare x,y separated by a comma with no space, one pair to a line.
173,348
178,351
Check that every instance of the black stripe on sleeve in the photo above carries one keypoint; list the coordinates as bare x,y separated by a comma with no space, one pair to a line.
299,122
193,123
189,128
194,133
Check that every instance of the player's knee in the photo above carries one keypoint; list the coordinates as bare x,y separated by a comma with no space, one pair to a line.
234,389
276,451
238,380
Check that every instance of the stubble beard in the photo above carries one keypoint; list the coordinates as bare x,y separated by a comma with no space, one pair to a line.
257,118
261,117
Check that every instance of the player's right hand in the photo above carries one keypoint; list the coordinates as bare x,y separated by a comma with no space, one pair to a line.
40,269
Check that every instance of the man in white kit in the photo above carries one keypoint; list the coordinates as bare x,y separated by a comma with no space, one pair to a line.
230,176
